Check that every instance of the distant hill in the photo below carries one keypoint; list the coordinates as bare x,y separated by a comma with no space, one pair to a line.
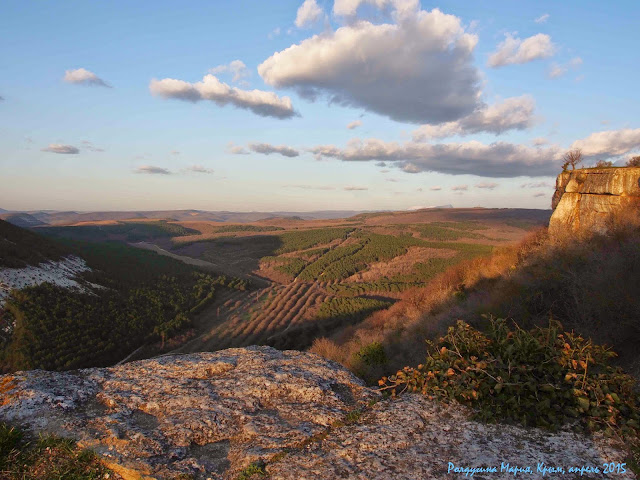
20,247
23,220
70,217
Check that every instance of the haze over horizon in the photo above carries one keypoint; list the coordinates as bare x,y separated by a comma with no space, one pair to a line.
305,106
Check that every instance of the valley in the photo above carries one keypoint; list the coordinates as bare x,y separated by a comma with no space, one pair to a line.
305,279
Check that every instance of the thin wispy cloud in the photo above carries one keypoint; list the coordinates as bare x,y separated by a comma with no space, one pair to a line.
540,194
354,124
199,169
81,76
460,188
268,149
542,18
62,149
237,149
513,50
435,188
486,185
558,70
236,68
311,187
536,185
262,103
152,170
355,189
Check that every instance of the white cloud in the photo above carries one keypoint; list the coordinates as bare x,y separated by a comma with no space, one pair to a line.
557,70
311,187
308,14
236,149
460,188
536,185
610,143
419,69
355,189
266,104
267,149
59,148
511,113
199,169
400,8
539,141
152,170
354,124
540,194
514,50
81,76
175,152
498,159
542,18
237,68
435,188
486,185
274,33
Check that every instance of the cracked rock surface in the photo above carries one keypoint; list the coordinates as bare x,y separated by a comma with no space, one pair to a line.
210,415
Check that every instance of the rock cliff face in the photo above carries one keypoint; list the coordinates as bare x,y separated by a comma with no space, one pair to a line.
585,199
210,415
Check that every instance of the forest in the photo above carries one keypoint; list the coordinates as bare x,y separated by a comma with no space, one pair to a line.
138,297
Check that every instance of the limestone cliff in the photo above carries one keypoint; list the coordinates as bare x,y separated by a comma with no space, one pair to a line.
209,415
586,198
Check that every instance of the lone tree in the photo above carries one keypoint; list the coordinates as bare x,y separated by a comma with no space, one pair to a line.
634,161
572,159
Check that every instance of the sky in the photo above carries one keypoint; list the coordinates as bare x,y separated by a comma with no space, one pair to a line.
314,105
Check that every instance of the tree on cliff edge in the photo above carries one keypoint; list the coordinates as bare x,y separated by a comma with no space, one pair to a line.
634,161
572,159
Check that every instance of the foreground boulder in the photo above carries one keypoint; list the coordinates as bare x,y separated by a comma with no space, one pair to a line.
587,198
210,415
206,414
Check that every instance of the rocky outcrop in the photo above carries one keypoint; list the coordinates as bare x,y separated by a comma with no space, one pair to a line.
209,415
587,198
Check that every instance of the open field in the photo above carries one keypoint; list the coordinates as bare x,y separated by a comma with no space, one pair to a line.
314,277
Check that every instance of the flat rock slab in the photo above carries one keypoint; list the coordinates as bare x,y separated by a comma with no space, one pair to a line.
413,438
208,414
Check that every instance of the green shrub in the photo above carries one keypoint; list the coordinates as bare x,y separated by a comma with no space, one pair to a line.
372,354
540,377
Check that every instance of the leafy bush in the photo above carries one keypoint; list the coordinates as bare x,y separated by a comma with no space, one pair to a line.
372,354
540,377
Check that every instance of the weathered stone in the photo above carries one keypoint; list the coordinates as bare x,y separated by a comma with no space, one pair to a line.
207,414
415,438
211,414
586,199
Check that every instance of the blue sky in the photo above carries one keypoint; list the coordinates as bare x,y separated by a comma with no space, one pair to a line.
471,104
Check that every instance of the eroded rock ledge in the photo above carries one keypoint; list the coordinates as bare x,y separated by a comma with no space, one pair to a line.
586,198
210,415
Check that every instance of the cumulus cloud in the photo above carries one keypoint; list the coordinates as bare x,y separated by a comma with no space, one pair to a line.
539,141
59,148
610,143
354,124
152,170
236,68
536,185
460,188
265,104
419,68
199,169
354,189
514,50
236,149
400,8
542,18
308,14
498,159
486,185
435,188
512,113
81,76
267,149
